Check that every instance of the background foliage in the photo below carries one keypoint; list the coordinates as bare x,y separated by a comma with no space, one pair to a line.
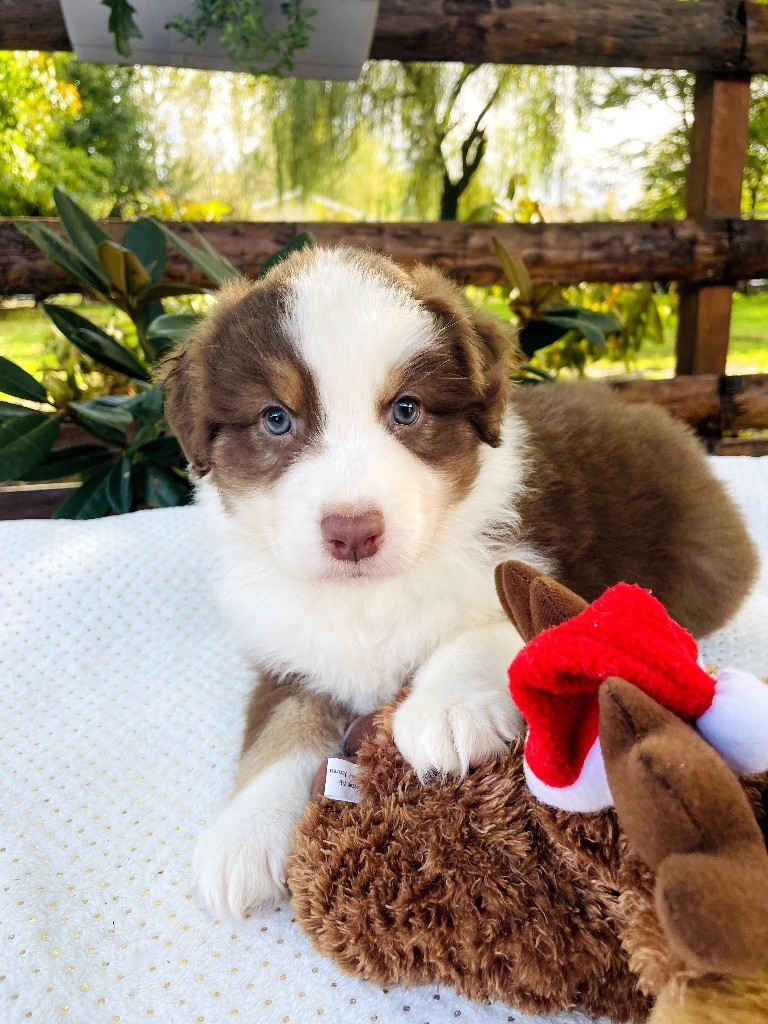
79,126
664,161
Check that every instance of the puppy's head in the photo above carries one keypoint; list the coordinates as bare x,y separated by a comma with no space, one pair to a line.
340,407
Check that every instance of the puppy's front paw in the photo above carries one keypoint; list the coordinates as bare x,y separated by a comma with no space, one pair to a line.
239,863
439,734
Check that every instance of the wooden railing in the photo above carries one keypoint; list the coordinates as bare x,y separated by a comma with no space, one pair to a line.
722,37
705,251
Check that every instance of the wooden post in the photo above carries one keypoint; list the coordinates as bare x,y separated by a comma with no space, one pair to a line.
715,176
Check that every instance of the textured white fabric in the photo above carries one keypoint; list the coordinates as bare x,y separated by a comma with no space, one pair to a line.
121,702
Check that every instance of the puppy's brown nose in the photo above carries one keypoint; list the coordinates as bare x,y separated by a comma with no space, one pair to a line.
352,538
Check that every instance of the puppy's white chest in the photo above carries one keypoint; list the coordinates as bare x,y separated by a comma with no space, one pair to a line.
359,644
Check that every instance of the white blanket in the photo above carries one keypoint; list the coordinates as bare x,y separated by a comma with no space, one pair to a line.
121,703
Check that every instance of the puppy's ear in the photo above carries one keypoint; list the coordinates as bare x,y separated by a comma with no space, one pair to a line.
179,375
498,355
483,348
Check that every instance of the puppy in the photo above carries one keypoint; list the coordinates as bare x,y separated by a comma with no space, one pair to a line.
363,465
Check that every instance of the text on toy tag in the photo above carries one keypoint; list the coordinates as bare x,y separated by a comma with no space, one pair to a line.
341,781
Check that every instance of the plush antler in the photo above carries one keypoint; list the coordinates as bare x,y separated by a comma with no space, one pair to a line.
687,816
533,601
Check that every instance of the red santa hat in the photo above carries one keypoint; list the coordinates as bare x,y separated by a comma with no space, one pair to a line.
555,679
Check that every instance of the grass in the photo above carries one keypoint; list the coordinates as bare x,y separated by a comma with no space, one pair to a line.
25,334
747,351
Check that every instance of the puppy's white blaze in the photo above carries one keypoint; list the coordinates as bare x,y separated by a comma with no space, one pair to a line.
352,327
240,862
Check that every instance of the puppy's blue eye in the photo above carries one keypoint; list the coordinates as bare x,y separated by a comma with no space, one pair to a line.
276,420
405,411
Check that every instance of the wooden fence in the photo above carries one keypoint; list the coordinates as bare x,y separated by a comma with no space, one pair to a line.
723,41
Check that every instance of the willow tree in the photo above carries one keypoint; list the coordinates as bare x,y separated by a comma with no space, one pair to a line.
436,121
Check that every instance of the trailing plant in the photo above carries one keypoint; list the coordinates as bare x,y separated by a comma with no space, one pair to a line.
245,37
134,460
545,315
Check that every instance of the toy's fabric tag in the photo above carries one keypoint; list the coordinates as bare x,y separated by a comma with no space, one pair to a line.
341,781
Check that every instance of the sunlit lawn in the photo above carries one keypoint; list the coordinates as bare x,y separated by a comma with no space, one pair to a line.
24,330
747,352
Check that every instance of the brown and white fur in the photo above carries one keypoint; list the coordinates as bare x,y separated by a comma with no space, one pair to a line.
564,478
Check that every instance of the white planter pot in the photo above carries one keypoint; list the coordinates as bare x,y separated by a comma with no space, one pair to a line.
340,40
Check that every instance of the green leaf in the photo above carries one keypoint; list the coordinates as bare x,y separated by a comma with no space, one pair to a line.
301,241
172,328
143,316
103,418
583,327
122,25
24,441
109,410
13,409
162,449
64,462
515,271
84,233
163,488
229,268
17,382
120,486
63,255
146,239
602,321
146,406
95,341
89,501
206,259
538,334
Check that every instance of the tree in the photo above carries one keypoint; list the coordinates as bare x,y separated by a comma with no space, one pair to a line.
755,193
73,125
112,126
439,122
665,161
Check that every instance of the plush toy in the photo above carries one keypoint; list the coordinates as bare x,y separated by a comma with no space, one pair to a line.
478,884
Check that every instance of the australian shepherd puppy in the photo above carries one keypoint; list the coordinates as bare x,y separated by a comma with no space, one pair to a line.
363,465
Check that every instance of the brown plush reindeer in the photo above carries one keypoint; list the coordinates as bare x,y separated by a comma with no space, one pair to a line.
475,884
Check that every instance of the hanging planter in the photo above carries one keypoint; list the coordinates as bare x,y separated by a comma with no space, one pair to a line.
306,38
